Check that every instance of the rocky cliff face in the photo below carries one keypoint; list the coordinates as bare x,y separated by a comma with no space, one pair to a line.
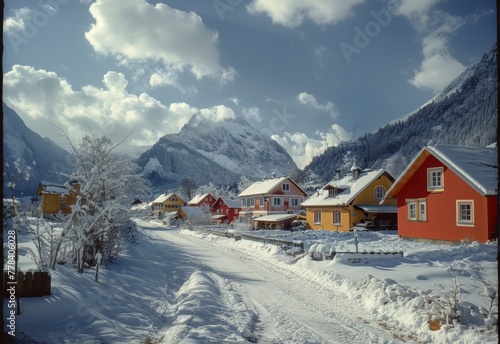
220,152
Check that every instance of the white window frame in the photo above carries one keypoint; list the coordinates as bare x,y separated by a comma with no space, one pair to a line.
459,220
277,201
335,214
332,192
422,210
285,187
412,210
317,217
431,185
295,202
377,192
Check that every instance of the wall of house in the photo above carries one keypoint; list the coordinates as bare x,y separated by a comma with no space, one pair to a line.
51,203
367,196
327,218
442,207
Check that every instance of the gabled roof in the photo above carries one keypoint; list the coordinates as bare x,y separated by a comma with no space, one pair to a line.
477,166
52,188
163,197
198,198
352,188
263,187
194,212
231,202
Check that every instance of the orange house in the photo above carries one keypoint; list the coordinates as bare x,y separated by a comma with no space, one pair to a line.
56,198
448,193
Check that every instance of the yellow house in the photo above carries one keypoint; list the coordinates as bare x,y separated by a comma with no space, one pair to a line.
166,203
353,200
56,198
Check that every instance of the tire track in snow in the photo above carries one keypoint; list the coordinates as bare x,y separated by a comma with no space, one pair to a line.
291,309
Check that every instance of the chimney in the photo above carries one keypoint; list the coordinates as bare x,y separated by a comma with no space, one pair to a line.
355,171
337,173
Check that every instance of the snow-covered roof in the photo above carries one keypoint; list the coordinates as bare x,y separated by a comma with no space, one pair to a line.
197,199
475,165
262,187
53,188
231,202
163,197
352,188
194,212
276,217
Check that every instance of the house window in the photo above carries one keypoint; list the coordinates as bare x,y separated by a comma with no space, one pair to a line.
261,201
336,218
412,211
422,210
295,202
435,179
465,213
286,187
252,202
417,210
236,211
332,192
317,217
379,192
277,202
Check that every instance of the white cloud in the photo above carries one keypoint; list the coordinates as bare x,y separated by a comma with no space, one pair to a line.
219,113
292,13
438,67
308,99
42,98
18,21
252,113
303,148
135,31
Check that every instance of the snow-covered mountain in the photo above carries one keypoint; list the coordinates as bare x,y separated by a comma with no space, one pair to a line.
464,113
24,146
207,150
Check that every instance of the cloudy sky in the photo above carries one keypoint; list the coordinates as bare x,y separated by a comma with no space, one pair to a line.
309,73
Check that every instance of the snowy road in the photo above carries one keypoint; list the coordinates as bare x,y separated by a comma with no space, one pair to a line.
289,309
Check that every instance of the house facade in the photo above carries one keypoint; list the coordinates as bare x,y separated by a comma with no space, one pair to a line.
449,194
352,200
167,203
206,200
56,198
279,195
226,209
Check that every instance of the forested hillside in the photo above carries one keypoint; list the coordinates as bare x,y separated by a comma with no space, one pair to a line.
465,113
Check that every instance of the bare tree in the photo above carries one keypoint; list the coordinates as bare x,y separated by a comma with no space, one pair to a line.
188,187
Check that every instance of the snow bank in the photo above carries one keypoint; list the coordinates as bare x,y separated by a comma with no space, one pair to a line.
208,309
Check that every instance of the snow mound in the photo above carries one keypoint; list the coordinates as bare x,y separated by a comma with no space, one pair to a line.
208,309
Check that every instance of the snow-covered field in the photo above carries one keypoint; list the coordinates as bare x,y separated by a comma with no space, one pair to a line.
181,286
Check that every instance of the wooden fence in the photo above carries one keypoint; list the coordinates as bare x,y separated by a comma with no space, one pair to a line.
29,284
257,238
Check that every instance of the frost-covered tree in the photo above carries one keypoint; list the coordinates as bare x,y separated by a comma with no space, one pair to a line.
104,185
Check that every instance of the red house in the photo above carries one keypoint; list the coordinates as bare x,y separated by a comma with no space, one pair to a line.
448,193
202,200
226,209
